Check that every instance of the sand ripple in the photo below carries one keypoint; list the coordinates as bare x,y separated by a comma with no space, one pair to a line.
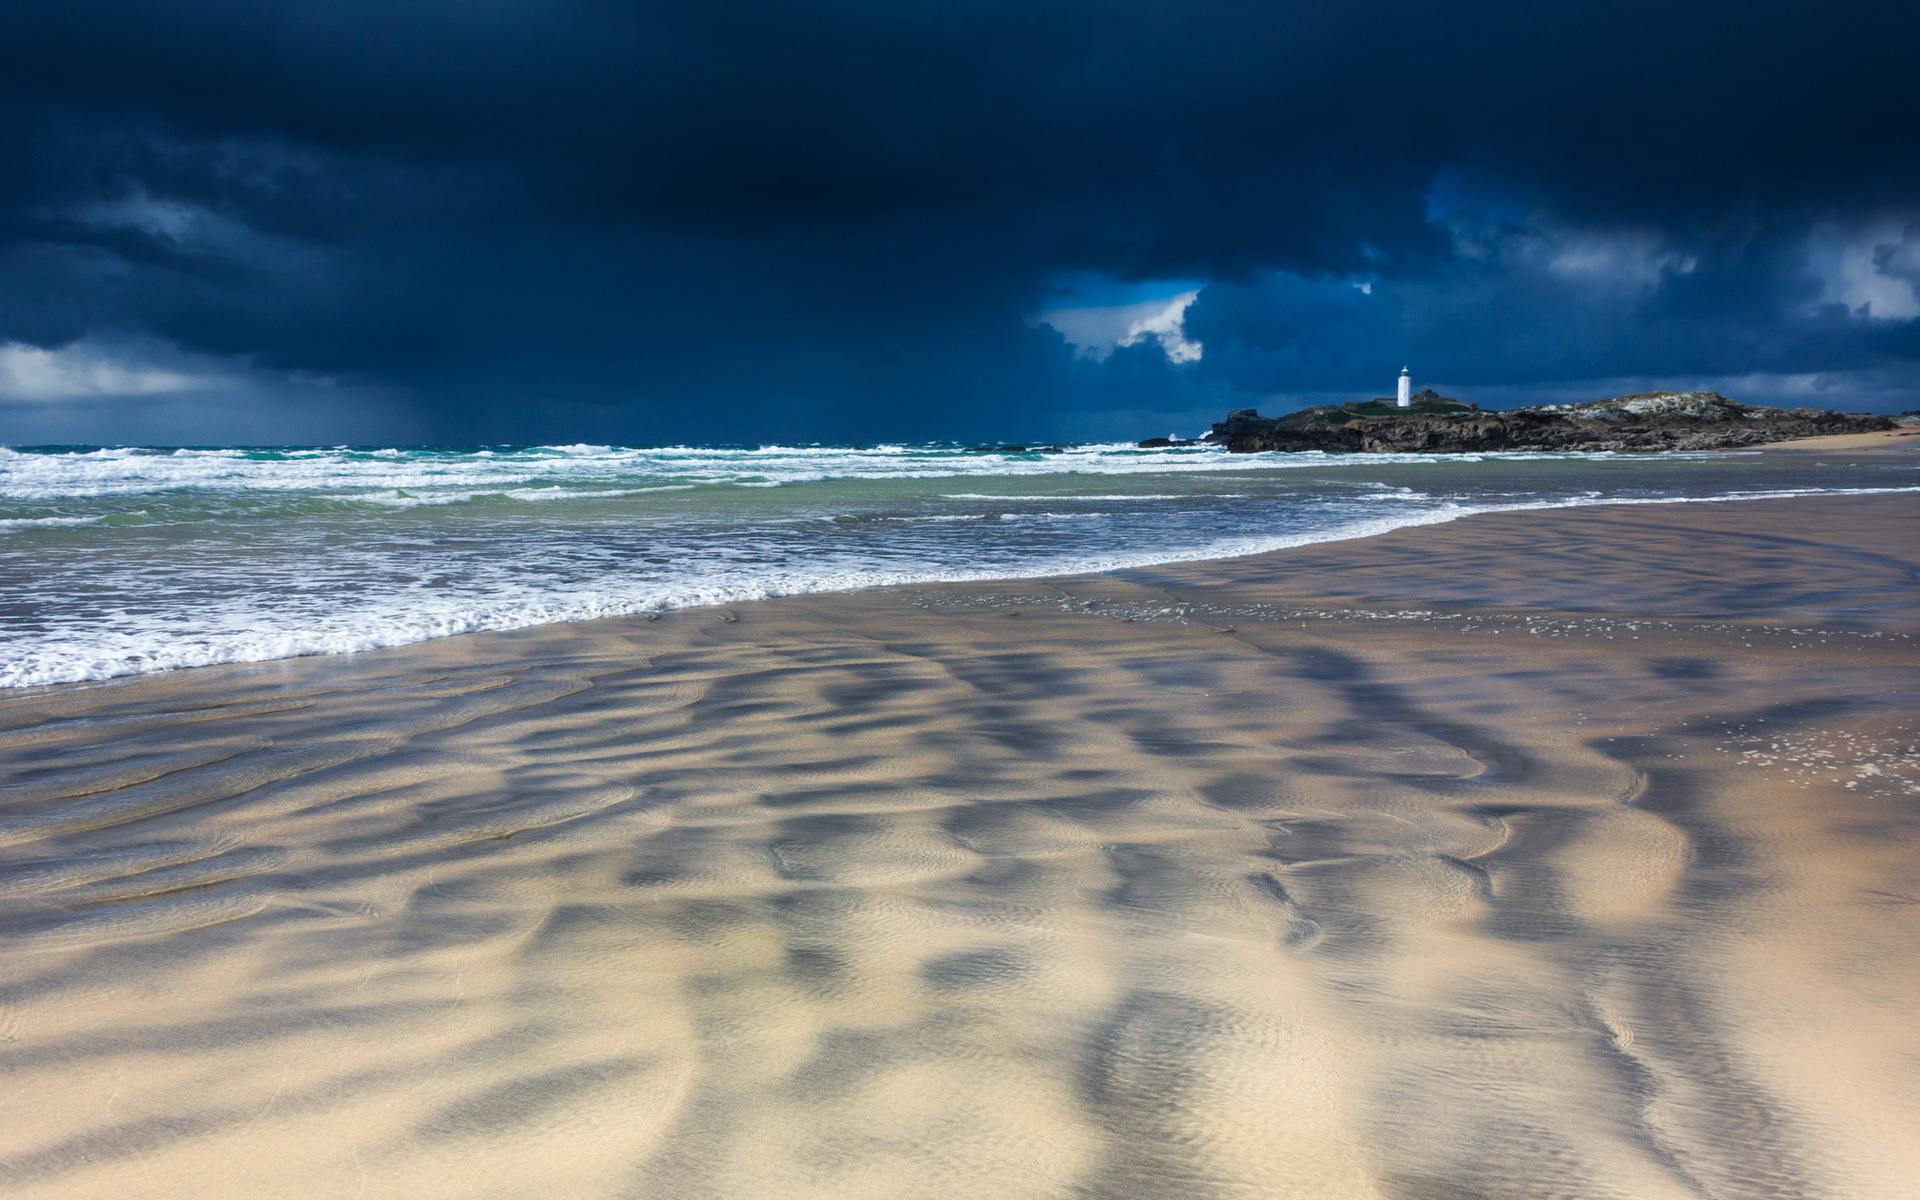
871,897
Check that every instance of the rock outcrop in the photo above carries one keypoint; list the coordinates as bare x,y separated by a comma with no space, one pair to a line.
1648,421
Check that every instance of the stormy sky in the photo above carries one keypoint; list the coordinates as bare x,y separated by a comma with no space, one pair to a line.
741,220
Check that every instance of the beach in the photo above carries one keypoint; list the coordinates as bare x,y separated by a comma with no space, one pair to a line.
1566,852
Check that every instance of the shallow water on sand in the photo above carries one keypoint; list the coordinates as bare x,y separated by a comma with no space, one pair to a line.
120,561
1178,884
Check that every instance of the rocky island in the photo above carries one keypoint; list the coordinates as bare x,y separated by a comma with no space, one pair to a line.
1435,424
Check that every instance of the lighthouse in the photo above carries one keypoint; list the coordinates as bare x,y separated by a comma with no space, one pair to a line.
1406,389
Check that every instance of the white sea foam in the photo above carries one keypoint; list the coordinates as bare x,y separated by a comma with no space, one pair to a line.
31,522
107,655
351,473
248,556
947,519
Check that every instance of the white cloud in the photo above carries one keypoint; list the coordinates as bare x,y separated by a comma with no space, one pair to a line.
145,391
1632,259
1095,332
90,370
1868,268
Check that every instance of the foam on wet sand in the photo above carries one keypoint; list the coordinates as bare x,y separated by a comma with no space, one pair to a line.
1552,853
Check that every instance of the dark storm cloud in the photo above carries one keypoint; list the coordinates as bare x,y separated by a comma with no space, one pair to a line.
747,219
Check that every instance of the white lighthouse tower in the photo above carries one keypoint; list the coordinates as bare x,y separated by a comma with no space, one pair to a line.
1406,389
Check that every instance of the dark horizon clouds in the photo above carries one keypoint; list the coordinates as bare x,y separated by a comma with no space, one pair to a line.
742,221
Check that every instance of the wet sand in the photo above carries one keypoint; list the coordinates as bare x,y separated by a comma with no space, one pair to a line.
1553,854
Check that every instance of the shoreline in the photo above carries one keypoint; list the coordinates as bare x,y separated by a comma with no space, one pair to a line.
1308,873
1213,554
1905,440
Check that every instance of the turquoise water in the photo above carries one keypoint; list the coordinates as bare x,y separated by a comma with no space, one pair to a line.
122,560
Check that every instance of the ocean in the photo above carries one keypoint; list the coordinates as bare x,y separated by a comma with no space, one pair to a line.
117,561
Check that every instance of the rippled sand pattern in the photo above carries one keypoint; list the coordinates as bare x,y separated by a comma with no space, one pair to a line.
1101,888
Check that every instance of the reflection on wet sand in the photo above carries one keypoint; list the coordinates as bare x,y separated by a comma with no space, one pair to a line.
1336,873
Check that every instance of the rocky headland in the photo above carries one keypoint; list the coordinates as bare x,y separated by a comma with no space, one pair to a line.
1436,424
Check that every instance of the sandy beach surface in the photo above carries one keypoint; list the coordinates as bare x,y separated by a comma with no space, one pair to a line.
1541,854
1905,440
